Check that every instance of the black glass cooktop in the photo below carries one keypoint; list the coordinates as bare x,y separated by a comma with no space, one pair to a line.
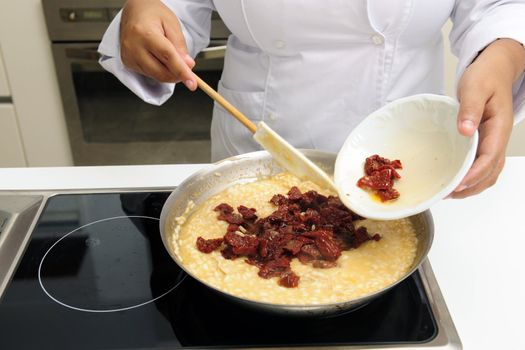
95,275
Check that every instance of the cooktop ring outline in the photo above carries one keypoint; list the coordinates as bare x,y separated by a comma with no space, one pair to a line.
95,310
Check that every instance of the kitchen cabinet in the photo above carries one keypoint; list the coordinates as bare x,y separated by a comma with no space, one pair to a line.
11,150
33,84
4,87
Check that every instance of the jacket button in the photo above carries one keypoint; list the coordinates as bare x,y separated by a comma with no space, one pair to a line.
279,44
377,39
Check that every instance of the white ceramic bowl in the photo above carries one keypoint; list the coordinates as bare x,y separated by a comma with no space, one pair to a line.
419,130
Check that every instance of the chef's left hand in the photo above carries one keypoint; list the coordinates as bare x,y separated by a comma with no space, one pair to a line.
485,96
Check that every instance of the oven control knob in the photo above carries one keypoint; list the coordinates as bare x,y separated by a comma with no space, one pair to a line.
72,16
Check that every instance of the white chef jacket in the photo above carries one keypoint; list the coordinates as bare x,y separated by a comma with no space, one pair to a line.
312,69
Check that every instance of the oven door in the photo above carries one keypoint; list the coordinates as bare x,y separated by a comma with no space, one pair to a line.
108,124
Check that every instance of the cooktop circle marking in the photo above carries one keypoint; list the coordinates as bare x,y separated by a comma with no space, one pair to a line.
91,243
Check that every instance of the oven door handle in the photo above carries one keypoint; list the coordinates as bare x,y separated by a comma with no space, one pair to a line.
212,52
87,54
91,54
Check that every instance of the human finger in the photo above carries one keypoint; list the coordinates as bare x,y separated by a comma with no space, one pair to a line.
485,183
150,66
494,133
472,100
480,169
166,53
173,33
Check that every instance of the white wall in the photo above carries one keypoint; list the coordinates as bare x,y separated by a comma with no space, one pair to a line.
517,142
32,81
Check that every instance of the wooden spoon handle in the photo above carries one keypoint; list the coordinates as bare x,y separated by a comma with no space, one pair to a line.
227,105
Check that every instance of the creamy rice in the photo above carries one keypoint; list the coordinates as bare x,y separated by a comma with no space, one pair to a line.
372,266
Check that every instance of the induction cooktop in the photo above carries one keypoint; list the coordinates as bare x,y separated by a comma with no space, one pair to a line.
88,270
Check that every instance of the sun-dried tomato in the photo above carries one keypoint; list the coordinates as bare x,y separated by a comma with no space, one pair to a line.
376,162
232,228
226,214
278,200
361,236
227,253
379,180
380,174
289,280
275,268
247,213
388,194
294,194
308,226
294,246
208,245
328,247
309,252
242,245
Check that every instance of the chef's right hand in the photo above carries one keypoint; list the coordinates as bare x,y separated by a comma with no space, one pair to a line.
152,43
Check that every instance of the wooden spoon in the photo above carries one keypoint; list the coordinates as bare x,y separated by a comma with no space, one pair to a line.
284,153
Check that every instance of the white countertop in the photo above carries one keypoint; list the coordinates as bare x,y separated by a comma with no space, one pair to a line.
478,253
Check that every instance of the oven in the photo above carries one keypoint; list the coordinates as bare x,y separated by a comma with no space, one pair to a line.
108,124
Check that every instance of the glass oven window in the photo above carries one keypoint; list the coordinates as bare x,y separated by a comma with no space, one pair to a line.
109,112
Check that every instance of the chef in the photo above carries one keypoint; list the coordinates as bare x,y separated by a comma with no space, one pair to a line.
313,69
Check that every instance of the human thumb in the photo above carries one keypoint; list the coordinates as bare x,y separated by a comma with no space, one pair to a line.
471,106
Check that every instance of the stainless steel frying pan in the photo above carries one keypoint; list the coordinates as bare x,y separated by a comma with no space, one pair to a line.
248,167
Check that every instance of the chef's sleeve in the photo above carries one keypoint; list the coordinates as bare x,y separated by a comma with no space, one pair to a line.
195,20
476,24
